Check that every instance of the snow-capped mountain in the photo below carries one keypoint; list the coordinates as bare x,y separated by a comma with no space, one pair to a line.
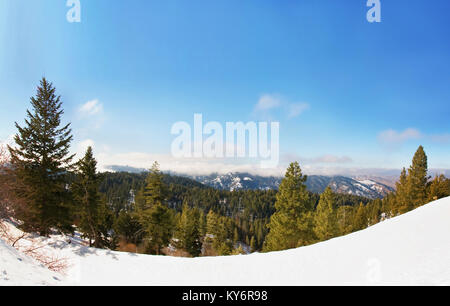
369,188
365,188
238,181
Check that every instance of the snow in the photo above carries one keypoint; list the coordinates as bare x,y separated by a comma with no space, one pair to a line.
361,187
412,249
367,182
218,181
19,270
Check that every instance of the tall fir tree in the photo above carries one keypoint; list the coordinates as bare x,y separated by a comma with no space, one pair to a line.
403,201
88,201
418,178
157,220
325,220
154,190
291,225
41,160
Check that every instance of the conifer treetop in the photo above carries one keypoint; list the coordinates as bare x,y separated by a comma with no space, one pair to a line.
42,139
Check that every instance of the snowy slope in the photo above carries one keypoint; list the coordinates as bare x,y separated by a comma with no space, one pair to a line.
17,269
411,249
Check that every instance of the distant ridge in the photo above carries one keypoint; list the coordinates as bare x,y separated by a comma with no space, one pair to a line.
368,188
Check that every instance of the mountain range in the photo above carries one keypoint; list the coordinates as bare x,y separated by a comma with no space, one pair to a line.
365,187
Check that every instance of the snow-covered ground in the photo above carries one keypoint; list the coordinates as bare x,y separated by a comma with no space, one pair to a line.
19,270
412,249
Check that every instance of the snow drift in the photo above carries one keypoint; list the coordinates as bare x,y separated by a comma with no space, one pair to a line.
412,249
19,270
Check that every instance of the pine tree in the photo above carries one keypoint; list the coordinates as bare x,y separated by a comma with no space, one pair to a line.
388,206
291,225
360,220
437,188
212,222
326,218
223,242
157,220
158,223
188,232
345,216
128,227
220,230
403,201
374,211
154,191
89,205
417,178
41,160
108,238
445,187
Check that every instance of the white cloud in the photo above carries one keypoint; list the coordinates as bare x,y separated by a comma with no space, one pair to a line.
92,115
322,165
391,137
267,102
205,166
90,108
222,166
190,166
297,109
271,102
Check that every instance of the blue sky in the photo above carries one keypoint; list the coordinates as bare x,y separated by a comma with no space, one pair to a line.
372,91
